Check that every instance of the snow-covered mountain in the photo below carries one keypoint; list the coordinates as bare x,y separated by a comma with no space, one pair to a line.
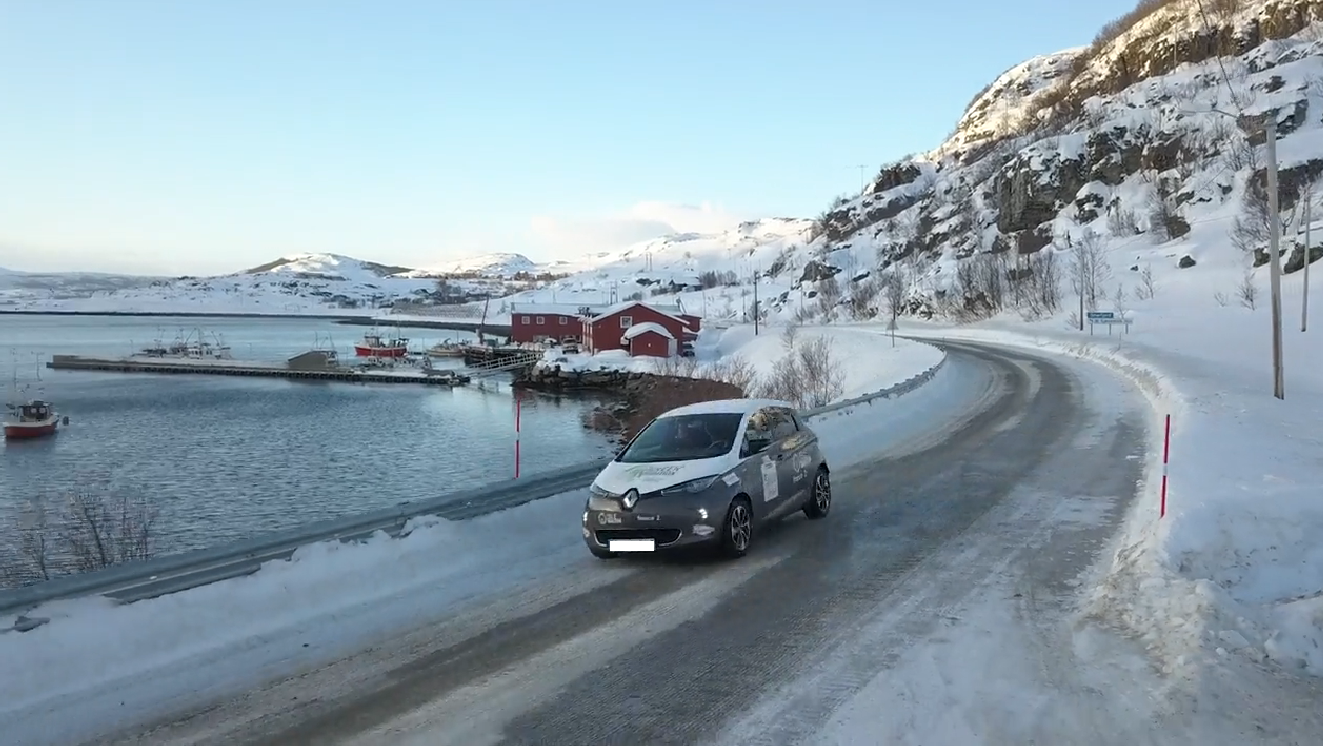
1144,146
297,284
505,265
1141,145
329,267
1143,150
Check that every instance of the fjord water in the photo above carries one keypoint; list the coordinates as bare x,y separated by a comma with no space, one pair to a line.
225,457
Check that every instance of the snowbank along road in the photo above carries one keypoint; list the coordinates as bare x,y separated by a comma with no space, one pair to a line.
936,605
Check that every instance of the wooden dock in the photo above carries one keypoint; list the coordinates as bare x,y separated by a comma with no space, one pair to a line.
255,369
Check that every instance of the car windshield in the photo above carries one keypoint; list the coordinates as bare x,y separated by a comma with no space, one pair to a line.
684,438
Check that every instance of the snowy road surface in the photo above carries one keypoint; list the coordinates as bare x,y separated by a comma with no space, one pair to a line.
934,606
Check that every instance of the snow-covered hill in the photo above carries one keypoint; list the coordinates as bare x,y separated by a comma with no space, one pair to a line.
1144,147
484,265
298,284
710,274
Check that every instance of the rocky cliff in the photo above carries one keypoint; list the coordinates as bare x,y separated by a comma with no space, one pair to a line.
1156,127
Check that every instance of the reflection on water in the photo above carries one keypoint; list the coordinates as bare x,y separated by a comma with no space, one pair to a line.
224,457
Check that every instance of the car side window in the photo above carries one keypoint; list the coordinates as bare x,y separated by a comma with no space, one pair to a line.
758,435
783,426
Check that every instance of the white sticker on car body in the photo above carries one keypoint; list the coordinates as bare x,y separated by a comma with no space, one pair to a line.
731,479
771,482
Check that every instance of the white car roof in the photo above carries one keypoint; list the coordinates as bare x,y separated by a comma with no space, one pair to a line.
727,406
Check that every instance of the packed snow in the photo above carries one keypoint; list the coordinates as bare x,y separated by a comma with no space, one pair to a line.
1235,565
96,666
866,361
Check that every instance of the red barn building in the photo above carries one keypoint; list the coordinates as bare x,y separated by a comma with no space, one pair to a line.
543,322
664,333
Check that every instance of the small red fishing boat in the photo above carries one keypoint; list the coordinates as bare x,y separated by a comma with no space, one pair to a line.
374,345
35,419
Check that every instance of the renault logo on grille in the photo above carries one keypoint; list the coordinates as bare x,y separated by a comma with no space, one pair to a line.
628,500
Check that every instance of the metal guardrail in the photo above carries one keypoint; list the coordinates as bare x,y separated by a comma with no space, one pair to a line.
159,576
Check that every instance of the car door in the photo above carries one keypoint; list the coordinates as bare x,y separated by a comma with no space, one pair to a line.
792,459
761,469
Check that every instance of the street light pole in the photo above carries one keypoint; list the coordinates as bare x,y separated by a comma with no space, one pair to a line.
1274,260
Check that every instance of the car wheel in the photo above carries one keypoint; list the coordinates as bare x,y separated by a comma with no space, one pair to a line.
819,504
602,553
737,530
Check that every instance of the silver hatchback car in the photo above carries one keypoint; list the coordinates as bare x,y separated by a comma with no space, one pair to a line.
707,474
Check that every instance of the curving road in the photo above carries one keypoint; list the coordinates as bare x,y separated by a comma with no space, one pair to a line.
1004,509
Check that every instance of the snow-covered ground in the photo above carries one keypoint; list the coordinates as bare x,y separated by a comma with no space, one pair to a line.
1236,564
95,666
866,363
868,360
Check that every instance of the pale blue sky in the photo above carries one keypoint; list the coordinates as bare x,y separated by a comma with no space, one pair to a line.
200,136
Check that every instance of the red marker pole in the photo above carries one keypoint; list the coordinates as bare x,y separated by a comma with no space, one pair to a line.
517,411
1166,455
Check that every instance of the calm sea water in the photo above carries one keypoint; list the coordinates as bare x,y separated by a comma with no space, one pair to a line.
225,457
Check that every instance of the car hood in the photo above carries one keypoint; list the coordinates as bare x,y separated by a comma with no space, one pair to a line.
618,477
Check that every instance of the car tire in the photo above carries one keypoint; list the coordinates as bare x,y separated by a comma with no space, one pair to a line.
602,553
737,529
819,502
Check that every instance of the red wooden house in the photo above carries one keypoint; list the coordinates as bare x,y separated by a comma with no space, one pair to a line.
662,333
541,322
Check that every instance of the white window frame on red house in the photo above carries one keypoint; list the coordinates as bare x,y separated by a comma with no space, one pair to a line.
564,320
541,321
523,320
626,322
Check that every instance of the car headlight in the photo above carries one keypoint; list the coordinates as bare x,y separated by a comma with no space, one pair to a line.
596,491
690,487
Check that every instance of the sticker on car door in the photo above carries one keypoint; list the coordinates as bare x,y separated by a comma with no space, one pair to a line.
771,481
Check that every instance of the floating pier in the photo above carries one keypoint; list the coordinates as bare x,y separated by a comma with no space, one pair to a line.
290,370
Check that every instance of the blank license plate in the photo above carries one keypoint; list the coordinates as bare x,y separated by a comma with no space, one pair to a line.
633,545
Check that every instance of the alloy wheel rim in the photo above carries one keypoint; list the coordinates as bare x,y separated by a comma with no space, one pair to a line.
739,527
823,493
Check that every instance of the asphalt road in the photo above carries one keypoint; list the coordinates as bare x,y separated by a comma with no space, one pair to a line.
664,651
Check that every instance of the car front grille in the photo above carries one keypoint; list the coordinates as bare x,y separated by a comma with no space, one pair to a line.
659,535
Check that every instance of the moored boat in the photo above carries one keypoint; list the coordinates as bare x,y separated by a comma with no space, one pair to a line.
375,345
446,349
33,419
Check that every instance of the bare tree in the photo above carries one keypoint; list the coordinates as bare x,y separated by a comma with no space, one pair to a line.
735,370
1119,301
677,366
1246,292
1040,285
829,295
862,296
1089,268
894,293
808,374
823,376
1147,288
88,528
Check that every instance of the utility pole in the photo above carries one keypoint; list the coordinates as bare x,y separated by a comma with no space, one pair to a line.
863,180
1275,263
755,302
1304,297
1081,281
